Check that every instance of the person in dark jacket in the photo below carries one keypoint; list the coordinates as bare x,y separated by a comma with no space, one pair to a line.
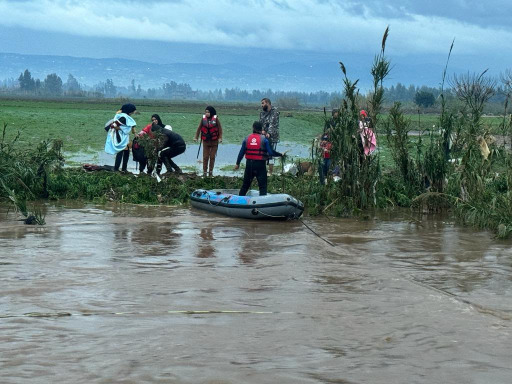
169,145
257,150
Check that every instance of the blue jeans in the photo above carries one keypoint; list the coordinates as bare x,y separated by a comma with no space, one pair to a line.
324,169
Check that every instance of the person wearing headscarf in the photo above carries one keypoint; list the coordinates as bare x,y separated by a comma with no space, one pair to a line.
210,130
118,136
139,154
368,138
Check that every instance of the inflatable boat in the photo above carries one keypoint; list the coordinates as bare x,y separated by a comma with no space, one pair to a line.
253,206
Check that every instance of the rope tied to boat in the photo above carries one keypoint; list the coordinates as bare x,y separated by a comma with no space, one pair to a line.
223,200
256,211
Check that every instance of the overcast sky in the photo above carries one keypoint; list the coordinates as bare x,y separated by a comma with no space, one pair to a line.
236,31
479,27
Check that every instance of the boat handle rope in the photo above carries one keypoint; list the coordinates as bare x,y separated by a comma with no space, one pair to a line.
266,214
223,200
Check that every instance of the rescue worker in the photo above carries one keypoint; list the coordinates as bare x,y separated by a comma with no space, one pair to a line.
256,149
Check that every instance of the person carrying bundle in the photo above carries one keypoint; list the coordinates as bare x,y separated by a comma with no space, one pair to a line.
118,135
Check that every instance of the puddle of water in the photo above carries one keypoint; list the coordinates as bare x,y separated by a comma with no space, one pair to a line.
226,157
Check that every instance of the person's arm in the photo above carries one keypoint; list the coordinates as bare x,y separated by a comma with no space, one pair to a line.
198,131
241,154
145,130
269,149
220,130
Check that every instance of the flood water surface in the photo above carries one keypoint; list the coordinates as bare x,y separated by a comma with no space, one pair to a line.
191,159
128,294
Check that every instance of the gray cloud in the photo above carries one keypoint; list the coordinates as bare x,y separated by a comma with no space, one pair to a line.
350,26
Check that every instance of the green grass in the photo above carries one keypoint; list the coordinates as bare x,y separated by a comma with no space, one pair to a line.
80,123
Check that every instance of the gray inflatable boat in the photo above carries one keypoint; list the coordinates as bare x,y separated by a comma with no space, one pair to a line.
253,206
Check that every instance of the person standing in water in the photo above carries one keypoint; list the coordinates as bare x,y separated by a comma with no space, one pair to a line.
118,136
210,130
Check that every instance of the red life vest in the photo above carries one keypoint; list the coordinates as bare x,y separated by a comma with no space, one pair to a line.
326,150
209,129
255,147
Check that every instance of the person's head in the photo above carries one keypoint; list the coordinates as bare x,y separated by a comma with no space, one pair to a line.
155,119
363,114
335,113
128,109
325,138
266,104
257,127
210,111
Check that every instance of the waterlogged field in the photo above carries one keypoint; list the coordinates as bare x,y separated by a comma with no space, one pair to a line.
80,123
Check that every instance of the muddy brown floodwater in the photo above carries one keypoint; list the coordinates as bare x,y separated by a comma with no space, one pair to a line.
132,294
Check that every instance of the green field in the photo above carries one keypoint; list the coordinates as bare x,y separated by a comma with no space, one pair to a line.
80,123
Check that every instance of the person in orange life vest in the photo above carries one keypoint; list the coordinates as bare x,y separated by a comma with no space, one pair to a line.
256,149
211,135
326,147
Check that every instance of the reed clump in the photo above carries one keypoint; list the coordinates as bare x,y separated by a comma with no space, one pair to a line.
24,173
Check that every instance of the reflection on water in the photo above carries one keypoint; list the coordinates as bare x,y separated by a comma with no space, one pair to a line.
396,300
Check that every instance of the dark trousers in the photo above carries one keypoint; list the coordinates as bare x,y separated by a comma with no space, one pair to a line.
258,169
324,169
143,164
166,156
123,155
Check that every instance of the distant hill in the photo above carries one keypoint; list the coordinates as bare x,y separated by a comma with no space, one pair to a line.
214,68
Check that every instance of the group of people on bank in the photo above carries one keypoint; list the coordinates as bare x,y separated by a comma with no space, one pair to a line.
259,148
167,144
